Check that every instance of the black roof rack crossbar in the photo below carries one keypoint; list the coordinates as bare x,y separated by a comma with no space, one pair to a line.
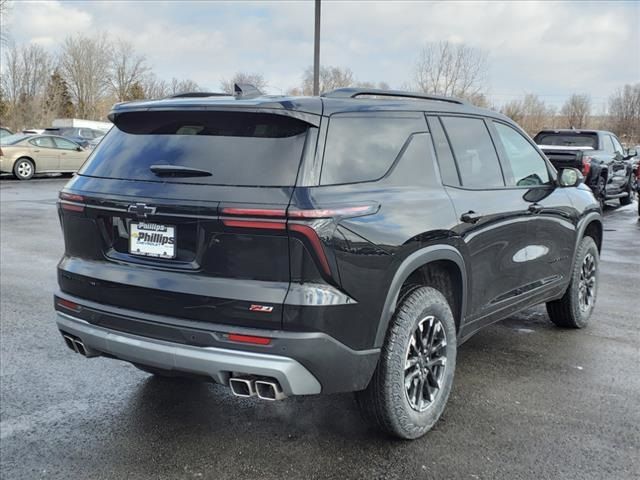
200,95
354,92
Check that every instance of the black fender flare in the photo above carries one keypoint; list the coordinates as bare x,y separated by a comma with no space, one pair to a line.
414,261
582,227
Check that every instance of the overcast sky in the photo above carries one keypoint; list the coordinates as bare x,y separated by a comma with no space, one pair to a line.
549,48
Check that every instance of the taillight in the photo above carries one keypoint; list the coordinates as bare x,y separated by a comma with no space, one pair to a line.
236,337
586,166
67,304
293,221
71,202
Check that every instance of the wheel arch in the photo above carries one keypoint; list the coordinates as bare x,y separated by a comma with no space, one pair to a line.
26,157
425,264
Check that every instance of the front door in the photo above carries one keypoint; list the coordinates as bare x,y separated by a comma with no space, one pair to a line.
70,158
45,154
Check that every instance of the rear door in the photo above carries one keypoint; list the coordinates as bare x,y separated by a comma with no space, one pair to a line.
70,158
45,153
187,208
493,219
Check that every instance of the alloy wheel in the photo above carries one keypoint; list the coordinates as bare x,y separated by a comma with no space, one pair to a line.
587,283
426,361
24,169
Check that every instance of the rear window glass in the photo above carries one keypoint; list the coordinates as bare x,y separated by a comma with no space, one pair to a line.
361,148
568,139
237,148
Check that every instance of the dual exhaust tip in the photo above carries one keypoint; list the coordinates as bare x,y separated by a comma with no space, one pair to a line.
77,345
263,388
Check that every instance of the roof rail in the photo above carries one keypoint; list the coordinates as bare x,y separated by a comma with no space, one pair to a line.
199,94
246,90
354,92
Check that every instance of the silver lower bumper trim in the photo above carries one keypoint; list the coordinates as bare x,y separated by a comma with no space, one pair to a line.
217,363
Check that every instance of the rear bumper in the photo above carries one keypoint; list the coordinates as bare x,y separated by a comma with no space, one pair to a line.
303,362
214,362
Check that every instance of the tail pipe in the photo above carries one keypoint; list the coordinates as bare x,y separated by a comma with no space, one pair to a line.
77,345
263,387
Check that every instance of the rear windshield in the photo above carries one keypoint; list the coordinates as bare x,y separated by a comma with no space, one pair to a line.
568,139
236,148
13,139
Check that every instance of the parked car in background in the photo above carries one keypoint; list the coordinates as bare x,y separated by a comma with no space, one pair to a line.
80,135
4,132
597,154
295,246
25,155
94,143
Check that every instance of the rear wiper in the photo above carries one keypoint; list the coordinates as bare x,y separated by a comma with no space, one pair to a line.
178,171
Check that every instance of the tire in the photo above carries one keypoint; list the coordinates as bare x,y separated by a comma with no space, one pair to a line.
573,310
601,191
386,403
624,201
24,169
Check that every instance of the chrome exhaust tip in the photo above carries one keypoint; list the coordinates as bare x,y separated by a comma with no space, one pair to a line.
71,343
269,390
80,348
242,387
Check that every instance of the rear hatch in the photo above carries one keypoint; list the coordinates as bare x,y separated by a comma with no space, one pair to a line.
150,221
567,148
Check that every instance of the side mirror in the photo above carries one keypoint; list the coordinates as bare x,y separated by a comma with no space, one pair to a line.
570,177
631,152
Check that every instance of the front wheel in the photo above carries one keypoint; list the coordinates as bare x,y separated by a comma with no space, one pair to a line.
24,169
411,384
574,309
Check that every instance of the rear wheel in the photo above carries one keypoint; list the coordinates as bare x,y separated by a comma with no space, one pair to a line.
630,193
574,309
411,384
601,191
24,169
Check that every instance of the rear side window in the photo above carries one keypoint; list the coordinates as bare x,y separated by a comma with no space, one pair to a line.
237,148
46,142
362,148
65,144
474,152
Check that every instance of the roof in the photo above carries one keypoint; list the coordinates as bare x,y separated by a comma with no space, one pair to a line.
572,130
337,101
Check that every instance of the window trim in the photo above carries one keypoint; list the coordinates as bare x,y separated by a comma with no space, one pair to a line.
504,160
433,118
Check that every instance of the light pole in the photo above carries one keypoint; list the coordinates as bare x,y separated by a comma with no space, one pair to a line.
316,52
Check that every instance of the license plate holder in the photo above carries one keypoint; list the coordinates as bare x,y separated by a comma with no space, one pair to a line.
152,240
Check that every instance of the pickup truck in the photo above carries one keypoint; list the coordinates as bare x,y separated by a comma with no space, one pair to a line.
598,154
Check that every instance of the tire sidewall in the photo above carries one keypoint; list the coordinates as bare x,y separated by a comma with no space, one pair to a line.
15,169
409,422
587,245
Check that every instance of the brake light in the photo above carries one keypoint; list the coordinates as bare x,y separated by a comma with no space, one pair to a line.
236,337
279,221
65,198
586,166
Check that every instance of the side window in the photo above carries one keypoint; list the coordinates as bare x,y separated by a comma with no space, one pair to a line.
616,145
527,166
607,144
45,142
446,162
362,148
474,152
65,144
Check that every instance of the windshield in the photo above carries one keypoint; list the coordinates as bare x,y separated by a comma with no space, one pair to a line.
13,139
236,148
568,139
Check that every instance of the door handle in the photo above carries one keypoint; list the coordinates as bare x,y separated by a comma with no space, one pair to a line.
470,217
535,208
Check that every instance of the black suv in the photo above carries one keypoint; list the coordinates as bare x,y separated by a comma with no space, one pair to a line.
294,246
598,155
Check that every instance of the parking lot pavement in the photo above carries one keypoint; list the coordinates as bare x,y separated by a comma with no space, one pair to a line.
529,400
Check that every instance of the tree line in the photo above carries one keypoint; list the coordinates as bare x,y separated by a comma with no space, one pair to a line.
91,73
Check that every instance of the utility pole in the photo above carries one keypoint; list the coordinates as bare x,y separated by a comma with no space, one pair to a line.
316,52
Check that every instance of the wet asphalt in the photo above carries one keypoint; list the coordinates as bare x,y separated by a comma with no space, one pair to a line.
530,401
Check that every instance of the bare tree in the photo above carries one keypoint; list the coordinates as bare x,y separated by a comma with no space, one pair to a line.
531,113
255,79
449,69
330,79
127,68
24,79
154,87
624,112
577,110
4,11
84,64
182,86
